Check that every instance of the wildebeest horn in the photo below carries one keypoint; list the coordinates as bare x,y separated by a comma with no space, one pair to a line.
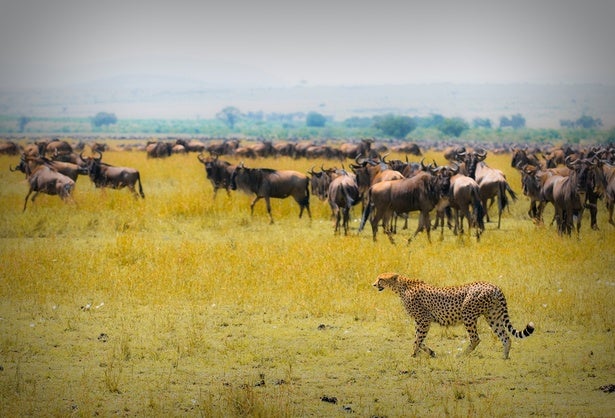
482,155
423,167
311,170
569,163
99,156
455,169
201,158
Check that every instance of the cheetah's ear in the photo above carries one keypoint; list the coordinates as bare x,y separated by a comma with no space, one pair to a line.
388,276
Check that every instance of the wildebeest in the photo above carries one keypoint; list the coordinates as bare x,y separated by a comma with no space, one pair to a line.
419,193
491,181
9,148
320,181
609,189
354,149
105,175
218,172
158,149
70,170
522,157
192,145
464,194
45,180
267,183
569,195
343,194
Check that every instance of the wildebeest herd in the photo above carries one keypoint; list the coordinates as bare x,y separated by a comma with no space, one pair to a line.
571,179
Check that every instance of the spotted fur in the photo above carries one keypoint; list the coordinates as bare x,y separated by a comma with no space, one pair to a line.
453,305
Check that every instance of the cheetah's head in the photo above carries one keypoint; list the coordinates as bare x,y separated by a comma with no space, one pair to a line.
385,280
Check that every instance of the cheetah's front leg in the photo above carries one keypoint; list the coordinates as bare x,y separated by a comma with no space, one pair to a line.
421,332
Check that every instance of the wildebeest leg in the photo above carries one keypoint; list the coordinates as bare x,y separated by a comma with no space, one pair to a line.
268,203
336,213
610,206
484,203
593,210
256,199
386,226
28,195
346,219
424,224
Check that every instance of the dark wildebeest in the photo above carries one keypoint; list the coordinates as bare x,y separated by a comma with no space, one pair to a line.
408,148
218,172
354,149
533,180
609,188
43,179
569,195
491,181
158,149
464,193
59,150
192,145
320,180
343,194
522,157
105,175
70,170
268,183
419,193
9,148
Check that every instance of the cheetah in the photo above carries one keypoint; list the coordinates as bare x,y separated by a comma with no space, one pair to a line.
453,305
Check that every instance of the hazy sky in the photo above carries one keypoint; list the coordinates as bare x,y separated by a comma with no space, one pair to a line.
60,42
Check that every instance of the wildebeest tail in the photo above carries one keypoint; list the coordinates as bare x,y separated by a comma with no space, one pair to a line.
140,187
305,202
479,210
366,211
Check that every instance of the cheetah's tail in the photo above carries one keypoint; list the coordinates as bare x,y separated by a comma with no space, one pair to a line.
519,334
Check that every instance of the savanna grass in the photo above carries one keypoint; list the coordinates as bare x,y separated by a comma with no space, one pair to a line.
179,305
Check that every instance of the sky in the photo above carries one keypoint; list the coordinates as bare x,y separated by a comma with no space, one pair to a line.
335,42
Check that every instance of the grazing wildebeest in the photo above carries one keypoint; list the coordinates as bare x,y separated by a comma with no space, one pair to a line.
218,172
105,175
267,183
45,180
343,194
419,193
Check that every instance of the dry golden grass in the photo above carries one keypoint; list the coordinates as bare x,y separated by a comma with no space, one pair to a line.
198,309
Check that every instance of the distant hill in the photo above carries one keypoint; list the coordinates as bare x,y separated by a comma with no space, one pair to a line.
165,97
